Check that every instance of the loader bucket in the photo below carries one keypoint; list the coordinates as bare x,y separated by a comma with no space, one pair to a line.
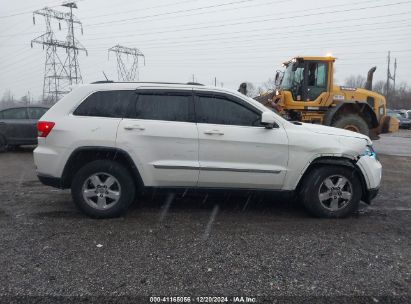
389,124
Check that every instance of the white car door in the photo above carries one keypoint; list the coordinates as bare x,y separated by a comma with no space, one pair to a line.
235,150
161,136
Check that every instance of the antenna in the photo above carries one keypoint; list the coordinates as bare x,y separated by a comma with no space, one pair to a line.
105,76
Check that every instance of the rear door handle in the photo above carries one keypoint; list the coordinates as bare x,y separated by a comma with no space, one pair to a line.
213,132
134,127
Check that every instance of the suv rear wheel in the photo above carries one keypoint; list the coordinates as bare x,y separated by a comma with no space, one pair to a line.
331,192
103,189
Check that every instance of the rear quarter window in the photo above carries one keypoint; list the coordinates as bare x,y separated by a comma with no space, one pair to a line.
36,112
105,104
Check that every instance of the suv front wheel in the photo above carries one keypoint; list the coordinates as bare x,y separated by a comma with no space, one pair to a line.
103,189
331,192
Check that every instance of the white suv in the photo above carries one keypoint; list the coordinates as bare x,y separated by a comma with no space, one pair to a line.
107,140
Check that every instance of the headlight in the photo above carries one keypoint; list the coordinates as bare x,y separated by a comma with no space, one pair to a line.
369,151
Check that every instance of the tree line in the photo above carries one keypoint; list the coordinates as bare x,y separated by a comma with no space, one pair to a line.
398,98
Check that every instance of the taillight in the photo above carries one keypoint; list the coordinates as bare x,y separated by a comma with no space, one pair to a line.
44,128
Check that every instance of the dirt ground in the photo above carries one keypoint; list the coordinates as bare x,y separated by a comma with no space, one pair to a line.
204,245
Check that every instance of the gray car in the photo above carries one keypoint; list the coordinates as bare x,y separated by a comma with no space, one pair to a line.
18,125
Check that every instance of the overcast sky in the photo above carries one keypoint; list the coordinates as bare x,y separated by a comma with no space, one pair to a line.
233,40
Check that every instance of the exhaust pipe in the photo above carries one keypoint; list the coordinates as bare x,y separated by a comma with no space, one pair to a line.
368,84
243,88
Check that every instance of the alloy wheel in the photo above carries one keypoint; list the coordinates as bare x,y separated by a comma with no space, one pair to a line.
335,192
101,191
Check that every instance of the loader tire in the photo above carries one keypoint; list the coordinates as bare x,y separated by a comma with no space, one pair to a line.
352,122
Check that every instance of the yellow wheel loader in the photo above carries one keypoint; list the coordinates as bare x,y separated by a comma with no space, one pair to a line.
306,92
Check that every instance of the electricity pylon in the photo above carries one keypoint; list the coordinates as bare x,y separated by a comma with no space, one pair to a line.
60,71
125,70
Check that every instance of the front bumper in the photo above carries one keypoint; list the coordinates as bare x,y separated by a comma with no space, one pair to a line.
372,171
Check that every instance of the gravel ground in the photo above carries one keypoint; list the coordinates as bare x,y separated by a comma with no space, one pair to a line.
205,245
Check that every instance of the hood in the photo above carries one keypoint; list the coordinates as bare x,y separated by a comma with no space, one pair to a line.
320,129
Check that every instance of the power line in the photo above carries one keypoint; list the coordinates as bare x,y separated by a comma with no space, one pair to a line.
270,19
143,9
254,49
250,22
289,44
288,26
25,12
141,18
253,30
177,12
282,34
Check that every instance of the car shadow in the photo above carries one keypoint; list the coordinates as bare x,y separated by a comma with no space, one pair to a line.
227,201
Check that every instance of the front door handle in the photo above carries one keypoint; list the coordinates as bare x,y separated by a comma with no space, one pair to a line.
213,132
134,127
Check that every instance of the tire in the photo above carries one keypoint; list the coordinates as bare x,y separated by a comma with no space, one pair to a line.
321,201
97,201
352,122
3,144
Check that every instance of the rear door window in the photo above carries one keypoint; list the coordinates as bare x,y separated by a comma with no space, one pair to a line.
15,113
106,104
163,105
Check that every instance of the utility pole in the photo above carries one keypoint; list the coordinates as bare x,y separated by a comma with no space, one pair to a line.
389,76
60,71
395,74
215,81
127,72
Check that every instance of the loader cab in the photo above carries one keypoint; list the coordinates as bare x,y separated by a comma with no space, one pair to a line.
308,80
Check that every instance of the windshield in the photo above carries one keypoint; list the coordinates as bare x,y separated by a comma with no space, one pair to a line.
292,77
293,80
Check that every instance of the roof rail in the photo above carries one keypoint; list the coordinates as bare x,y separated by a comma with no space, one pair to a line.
195,83
157,82
102,81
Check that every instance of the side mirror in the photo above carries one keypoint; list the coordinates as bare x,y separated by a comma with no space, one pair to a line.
267,119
